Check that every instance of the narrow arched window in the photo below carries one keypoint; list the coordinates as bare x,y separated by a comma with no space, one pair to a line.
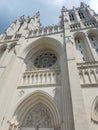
82,55
71,16
81,15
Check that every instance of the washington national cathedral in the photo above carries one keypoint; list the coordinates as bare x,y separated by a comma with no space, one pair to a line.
49,75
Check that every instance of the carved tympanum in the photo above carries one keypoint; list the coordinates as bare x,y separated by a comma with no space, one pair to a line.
38,117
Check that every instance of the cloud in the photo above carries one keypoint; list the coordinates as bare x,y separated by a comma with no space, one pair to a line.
10,10
94,5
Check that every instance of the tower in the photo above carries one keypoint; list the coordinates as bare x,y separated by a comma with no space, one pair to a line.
49,75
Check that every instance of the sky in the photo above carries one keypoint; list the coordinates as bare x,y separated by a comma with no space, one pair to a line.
11,10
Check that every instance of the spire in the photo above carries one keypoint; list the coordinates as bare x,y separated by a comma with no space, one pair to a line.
82,4
63,9
21,19
37,15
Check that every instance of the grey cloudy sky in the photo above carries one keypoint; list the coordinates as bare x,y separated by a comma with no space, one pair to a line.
10,10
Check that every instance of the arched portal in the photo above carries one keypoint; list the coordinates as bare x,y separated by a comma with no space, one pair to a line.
43,43
39,117
43,60
94,111
37,111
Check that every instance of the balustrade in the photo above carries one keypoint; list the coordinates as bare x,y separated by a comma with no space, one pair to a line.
41,77
75,26
46,30
37,32
89,24
88,73
86,24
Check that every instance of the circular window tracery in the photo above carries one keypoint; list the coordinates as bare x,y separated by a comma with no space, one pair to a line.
45,60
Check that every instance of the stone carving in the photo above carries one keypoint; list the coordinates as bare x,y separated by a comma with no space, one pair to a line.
21,93
21,19
45,60
94,117
38,117
96,107
13,125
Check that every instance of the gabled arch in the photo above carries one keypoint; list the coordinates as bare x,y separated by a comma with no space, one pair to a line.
33,99
92,32
79,35
38,47
45,42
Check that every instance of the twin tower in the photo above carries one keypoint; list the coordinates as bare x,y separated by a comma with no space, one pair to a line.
49,75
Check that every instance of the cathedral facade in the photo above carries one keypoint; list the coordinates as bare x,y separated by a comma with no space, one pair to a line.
49,75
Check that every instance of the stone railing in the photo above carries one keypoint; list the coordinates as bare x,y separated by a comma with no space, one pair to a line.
88,24
45,30
75,26
82,24
33,33
41,77
88,73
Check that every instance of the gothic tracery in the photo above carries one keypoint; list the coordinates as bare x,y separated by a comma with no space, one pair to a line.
38,117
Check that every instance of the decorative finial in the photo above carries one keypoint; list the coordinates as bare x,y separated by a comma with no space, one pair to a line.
38,14
63,9
21,19
83,4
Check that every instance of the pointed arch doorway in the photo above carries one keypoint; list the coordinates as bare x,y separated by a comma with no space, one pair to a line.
37,112
38,118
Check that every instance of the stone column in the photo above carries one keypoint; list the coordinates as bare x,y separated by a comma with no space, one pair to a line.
77,15
8,89
67,121
5,66
79,113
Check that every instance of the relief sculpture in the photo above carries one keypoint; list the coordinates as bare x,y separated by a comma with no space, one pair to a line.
38,117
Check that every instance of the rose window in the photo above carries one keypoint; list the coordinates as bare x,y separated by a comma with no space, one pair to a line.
45,60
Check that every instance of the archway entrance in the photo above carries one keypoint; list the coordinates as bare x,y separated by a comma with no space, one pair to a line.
38,118
36,112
